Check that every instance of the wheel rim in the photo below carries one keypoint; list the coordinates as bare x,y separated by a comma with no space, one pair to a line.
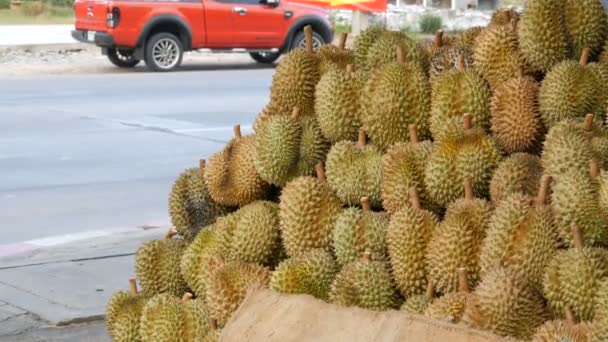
165,53
316,43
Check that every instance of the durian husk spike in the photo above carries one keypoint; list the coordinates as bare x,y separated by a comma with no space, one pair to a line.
308,35
438,38
295,114
133,286
588,123
577,236
237,131
468,188
460,62
366,204
342,41
463,280
466,121
400,54
413,134
570,319
543,191
362,141
521,72
430,290
187,297
585,56
201,165
320,168
415,198
170,233
594,168
350,68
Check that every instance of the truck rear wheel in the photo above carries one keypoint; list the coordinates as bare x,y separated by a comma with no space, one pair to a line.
299,41
122,58
265,57
164,52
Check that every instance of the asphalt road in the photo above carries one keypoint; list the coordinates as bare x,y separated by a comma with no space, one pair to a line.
99,152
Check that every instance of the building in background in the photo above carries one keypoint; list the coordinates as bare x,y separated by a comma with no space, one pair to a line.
453,4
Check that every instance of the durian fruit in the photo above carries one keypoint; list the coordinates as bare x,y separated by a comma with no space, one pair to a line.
456,242
521,236
307,215
402,168
251,234
383,50
599,326
354,170
437,53
469,36
504,17
295,78
573,278
396,96
542,34
451,306
229,285
288,147
334,57
231,176
456,93
520,173
408,235
419,303
560,330
464,153
311,273
496,54
603,59
190,206
122,314
337,104
447,59
581,85
575,200
362,45
506,304
157,265
166,318
200,259
587,25
357,231
516,122
366,284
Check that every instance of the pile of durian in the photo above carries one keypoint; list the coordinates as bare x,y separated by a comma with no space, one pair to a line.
463,179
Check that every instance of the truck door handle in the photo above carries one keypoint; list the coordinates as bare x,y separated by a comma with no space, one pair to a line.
239,10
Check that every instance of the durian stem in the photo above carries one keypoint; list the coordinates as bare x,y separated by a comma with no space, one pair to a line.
400,54
133,286
214,324
543,191
367,256
320,172
170,233
588,123
365,204
468,188
201,165
187,297
308,35
237,131
362,141
594,168
430,290
463,280
570,320
342,41
460,62
577,236
466,121
438,38
295,113
585,56
415,198
350,68
413,134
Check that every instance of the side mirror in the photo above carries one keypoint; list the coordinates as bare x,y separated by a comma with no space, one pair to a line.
273,3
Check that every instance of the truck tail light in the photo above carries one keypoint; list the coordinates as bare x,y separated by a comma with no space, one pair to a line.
113,17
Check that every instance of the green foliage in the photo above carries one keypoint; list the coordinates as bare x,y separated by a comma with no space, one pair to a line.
33,8
5,4
61,3
430,23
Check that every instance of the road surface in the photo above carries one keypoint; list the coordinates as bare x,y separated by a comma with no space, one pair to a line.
81,156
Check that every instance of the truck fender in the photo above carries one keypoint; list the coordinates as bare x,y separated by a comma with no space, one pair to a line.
166,19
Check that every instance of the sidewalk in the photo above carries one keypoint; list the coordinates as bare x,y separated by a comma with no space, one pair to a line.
35,35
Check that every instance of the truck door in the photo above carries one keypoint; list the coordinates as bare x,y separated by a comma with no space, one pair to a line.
258,25
219,24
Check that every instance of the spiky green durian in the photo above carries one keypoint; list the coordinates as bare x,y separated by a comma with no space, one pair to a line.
521,236
451,306
357,231
542,34
599,326
366,284
506,304
337,105
396,96
469,36
497,55
603,59
516,122
354,170
446,59
519,173
403,167
573,278
157,265
419,303
464,153
558,330
231,176
455,94
122,314
201,258
363,43
334,57
288,147
587,25
308,212
456,242
311,273
430,49
408,235
229,285
581,85
383,50
504,17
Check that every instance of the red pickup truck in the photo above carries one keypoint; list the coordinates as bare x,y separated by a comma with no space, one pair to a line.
159,31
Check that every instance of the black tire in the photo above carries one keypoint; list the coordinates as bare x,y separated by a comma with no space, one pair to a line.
266,57
122,58
300,40
174,57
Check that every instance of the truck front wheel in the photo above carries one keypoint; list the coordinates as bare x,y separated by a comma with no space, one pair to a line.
122,58
164,52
